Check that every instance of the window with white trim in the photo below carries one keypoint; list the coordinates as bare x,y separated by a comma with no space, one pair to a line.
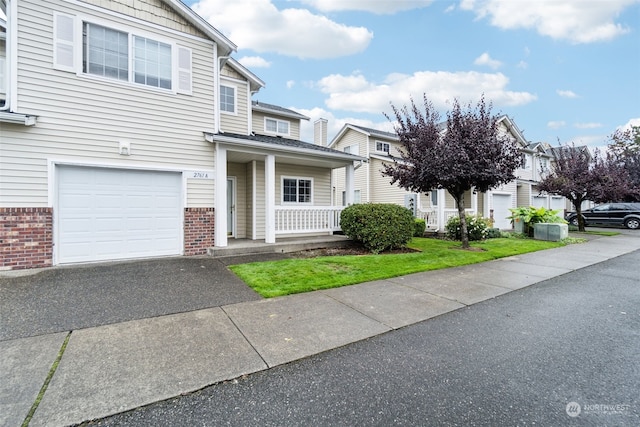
357,198
297,190
279,127
116,54
526,161
352,149
382,147
227,99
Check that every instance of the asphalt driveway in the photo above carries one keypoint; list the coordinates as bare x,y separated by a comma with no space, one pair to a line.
69,298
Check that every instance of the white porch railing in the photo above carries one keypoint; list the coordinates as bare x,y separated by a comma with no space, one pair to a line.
307,219
431,217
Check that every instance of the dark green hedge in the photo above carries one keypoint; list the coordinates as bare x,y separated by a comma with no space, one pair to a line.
378,227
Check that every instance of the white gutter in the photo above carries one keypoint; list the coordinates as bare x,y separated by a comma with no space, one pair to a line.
20,119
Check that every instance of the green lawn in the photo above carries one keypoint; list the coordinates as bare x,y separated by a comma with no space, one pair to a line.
290,276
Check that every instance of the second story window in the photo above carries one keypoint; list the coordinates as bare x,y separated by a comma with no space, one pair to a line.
228,99
114,53
279,127
152,63
106,52
382,147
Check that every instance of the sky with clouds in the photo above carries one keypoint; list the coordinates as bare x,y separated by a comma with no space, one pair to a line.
563,70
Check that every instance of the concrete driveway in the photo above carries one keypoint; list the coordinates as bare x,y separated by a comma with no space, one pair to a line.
76,297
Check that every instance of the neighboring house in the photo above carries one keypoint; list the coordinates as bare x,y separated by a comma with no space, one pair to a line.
437,206
127,131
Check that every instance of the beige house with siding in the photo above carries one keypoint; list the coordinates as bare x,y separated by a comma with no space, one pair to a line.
436,207
127,130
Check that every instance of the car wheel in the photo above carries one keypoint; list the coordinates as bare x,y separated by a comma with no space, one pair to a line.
632,223
574,221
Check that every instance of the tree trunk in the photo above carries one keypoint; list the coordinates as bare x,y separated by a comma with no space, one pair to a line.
578,205
464,235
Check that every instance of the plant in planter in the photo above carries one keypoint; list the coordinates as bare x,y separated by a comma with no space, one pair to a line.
532,215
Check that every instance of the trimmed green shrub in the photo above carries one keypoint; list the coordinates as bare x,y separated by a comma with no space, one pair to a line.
476,228
378,227
493,233
421,226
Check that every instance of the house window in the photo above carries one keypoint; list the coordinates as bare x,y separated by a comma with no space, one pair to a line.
352,149
106,52
116,54
382,147
152,63
434,197
228,99
279,127
526,161
296,190
357,198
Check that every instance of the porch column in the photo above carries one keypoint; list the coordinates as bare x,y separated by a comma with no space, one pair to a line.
474,201
220,214
348,184
270,199
442,202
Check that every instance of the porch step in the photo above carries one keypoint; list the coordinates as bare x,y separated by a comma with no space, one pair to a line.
250,247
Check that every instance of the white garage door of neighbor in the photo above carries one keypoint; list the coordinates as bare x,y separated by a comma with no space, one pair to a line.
501,205
539,201
109,214
557,203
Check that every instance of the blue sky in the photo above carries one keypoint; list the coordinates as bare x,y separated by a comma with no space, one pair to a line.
565,70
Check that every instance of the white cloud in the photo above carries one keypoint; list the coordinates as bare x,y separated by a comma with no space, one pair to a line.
556,124
566,93
587,125
290,84
578,21
355,93
260,26
522,64
254,62
631,122
380,7
485,59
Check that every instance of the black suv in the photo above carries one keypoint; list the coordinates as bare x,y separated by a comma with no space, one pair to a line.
627,214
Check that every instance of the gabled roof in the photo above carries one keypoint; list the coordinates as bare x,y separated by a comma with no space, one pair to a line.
364,130
255,83
275,109
225,46
553,151
515,131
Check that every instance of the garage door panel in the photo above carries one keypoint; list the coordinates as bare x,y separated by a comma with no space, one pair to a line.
501,205
107,214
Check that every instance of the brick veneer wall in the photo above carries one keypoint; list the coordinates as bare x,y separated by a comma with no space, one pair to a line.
198,230
26,238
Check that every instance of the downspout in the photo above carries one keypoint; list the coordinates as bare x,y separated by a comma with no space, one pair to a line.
217,88
11,62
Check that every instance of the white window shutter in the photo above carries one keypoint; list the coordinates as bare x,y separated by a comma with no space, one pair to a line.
64,42
184,70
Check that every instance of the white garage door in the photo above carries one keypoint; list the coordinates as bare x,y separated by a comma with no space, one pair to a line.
108,214
539,201
557,203
501,205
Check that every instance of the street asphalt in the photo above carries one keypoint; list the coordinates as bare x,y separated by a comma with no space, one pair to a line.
146,331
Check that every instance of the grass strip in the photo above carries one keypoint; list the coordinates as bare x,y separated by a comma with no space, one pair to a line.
52,371
290,276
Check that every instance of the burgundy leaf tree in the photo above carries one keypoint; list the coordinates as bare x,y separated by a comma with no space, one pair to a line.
578,176
467,152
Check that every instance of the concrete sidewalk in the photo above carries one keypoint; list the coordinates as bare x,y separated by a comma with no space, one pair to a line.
109,369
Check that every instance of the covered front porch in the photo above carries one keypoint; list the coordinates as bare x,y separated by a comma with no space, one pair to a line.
268,189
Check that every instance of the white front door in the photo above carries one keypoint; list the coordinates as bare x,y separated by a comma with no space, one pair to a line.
231,206
108,214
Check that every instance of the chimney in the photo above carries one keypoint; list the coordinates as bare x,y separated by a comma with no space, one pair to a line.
320,132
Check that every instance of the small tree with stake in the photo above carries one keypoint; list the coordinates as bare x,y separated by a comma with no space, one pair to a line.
467,153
